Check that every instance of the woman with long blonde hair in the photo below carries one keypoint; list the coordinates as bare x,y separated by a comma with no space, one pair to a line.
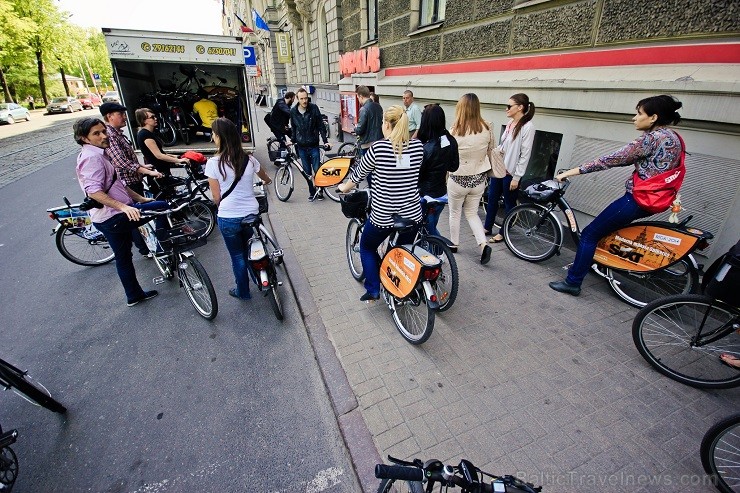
466,185
395,163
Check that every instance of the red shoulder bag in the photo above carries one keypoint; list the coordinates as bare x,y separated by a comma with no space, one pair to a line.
657,193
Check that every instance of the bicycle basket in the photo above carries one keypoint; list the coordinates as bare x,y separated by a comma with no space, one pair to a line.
354,205
262,201
541,192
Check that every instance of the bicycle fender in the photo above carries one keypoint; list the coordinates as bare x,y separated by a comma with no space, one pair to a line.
187,254
429,292
442,238
56,228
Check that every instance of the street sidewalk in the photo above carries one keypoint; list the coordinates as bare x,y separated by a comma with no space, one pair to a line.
517,378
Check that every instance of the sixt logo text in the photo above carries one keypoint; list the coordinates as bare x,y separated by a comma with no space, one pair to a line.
630,255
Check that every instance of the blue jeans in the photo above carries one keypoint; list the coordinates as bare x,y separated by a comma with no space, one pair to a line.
372,237
236,236
617,215
433,213
119,231
497,187
311,160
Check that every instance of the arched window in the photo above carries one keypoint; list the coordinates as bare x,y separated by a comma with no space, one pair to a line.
323,44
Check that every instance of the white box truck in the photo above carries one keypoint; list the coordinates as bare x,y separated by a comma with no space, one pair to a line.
169,72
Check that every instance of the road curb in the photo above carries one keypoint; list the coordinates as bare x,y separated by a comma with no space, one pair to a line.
357,438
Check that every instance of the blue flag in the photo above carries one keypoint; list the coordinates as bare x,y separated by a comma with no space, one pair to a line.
259,22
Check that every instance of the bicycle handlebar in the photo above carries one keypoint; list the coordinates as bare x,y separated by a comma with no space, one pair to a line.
164,211
402,473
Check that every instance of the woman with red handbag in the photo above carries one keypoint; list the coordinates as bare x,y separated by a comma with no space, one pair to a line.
658,158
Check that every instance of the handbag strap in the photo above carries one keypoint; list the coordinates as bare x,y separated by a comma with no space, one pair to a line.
236,180
115,177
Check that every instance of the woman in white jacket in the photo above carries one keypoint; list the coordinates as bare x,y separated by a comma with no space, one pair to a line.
516,144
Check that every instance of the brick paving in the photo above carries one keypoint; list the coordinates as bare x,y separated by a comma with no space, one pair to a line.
515,377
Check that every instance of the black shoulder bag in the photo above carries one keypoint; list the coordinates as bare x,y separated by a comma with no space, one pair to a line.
91,203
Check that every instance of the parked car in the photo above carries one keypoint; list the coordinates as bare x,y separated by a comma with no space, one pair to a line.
89,100
11,112
64,105
111,97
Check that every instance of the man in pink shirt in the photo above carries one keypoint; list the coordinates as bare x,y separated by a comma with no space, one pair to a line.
119,215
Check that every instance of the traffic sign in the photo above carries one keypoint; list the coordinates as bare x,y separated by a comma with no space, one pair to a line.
252,70
250,59
96,76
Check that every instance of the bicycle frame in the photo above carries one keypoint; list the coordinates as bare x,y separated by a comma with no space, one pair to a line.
639,247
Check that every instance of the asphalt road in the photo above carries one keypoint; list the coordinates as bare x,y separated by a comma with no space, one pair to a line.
159,399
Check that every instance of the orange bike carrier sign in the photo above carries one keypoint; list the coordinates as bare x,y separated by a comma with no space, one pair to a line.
400,271
643,247
332,172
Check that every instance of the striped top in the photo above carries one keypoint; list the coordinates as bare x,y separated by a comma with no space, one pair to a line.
395,181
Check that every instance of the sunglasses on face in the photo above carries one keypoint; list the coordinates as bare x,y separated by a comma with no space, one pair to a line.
509,106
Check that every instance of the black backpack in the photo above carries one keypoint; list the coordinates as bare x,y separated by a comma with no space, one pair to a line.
268,119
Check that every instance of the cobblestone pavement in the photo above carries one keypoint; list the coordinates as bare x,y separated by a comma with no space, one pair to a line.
26,148
517,378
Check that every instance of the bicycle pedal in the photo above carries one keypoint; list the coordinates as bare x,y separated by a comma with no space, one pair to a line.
280,283
158,280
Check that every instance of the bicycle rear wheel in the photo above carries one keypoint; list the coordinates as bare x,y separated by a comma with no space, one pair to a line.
26,387
720,453
447,283
198,287
274,296
531,233
352,244
399,486
666,333
83,246
167,132
284,182
638,289
412,316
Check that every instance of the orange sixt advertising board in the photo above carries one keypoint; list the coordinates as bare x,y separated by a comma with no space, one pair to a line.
399,272
332,172
643,247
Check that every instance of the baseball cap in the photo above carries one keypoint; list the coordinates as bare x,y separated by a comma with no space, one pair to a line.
106,108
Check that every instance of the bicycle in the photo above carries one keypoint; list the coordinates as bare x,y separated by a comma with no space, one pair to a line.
719,453
407,272
683,336
20,382
8,460
445,286
469,478
168,246
284,180
80,242
641,262
265,255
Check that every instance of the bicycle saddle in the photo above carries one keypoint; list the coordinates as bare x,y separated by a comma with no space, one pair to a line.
252,220
401,223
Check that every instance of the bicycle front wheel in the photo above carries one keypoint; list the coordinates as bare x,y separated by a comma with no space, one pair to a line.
446,284
284,182
640,288
531,233
347,149
198,287
676,336
23,385
399,486
167,133
352,244
83,246
412,316
331,192
199,216
720,453
8,468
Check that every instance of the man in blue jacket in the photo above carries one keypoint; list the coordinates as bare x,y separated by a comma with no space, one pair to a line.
306,122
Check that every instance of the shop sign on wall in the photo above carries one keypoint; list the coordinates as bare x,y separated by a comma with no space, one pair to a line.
360,61
284,51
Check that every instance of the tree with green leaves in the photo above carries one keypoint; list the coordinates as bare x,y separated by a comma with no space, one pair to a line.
13,43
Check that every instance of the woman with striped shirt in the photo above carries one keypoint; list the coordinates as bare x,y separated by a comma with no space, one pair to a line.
395,163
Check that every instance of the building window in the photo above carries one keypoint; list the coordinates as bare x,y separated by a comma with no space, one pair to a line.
431,11
323,45
372,20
